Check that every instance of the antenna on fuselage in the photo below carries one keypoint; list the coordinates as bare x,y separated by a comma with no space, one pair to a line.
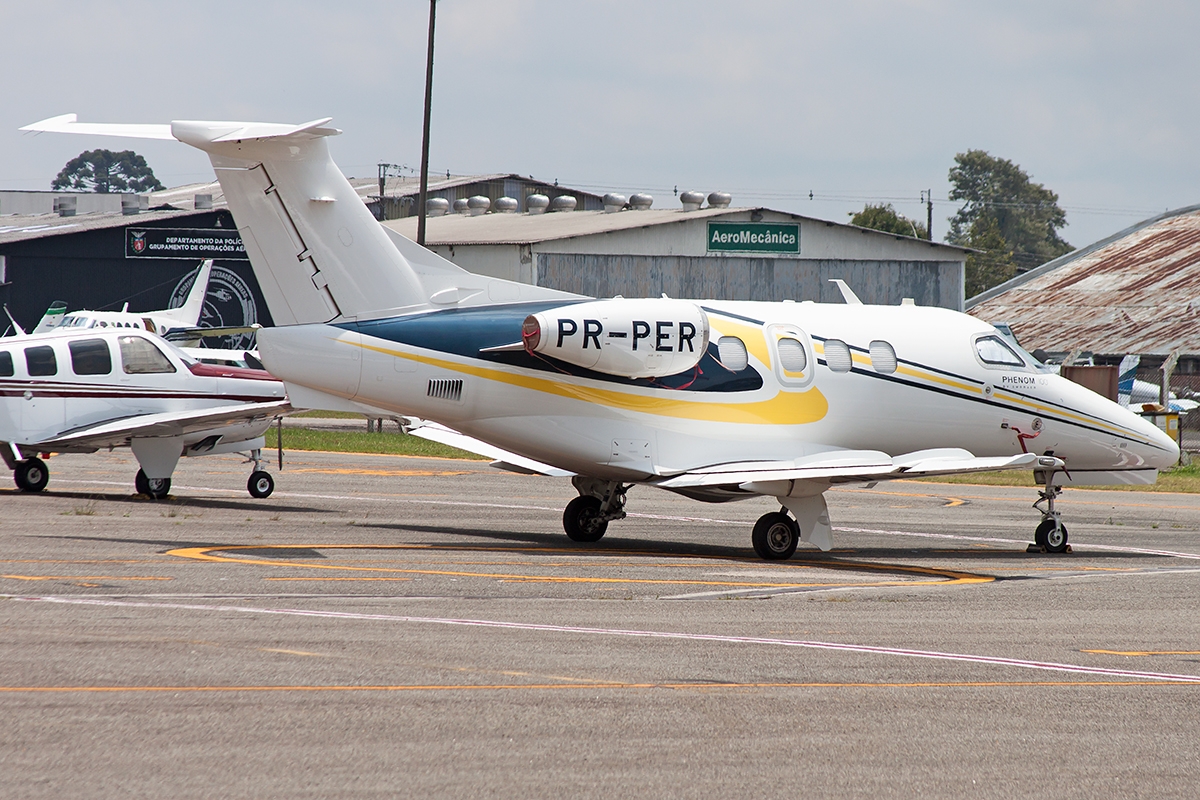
847,293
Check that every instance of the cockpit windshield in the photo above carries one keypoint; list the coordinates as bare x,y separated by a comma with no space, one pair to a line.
1011,339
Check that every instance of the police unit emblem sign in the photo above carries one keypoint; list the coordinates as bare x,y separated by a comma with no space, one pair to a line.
753,237
189,243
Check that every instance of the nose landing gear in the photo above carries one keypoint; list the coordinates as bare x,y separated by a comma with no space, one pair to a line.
1050,536
260,484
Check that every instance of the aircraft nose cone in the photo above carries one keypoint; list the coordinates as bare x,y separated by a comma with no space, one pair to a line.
1168,455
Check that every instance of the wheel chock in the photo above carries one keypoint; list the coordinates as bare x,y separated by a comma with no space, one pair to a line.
1037,548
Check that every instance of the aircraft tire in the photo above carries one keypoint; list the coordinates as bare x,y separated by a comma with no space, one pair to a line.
775,536
1046,536
261,484
31,475
581,519
155,489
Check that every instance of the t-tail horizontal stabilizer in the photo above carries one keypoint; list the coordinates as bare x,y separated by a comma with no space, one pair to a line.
316,250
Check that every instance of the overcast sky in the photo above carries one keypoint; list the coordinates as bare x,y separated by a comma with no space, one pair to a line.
853,101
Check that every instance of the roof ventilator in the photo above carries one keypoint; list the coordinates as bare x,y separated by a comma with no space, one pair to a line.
691,200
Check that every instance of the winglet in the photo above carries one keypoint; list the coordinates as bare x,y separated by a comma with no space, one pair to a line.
847,293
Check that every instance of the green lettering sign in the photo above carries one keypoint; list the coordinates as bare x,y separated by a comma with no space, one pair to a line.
754,237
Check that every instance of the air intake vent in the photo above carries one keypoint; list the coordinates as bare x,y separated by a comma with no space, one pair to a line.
445,388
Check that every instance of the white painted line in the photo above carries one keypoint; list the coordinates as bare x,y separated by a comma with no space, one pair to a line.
1050,666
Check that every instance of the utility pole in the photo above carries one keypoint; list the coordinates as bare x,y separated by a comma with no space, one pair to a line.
421,196
928,198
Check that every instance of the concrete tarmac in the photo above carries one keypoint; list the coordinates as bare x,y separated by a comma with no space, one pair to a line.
387,626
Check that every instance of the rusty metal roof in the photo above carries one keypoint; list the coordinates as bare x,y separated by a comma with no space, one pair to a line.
1137,291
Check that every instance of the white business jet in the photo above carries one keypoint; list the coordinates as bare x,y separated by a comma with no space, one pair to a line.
183,319
715,400
76,391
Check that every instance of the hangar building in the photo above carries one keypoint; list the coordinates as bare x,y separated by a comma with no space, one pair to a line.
1135,292
714,251
102,251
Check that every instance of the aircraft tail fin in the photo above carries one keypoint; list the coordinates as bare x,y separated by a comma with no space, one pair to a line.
316,250
1126,373
193,305
53,316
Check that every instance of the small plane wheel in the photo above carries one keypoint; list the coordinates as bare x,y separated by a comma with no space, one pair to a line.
261,484
775,536
154,488
1054,539
31,475
582,521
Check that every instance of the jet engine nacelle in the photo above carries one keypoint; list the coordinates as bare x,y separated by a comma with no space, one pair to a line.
631,338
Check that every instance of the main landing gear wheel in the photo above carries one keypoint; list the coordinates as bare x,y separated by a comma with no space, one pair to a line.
31,475
1050,536
582,519
261,484
154,488
775,536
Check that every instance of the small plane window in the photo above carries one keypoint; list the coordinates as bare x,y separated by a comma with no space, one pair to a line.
837,355
992,350
40,360
791,355
90,357
883,357
6,364
141,357
732,352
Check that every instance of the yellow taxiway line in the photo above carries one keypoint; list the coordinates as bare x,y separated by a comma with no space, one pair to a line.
217,554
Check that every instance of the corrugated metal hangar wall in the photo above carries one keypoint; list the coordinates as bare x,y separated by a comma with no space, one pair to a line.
928,283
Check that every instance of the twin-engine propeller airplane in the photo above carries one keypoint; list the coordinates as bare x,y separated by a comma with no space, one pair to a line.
76,391
715,400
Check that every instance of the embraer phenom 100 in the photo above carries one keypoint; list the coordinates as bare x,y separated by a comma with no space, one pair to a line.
715,400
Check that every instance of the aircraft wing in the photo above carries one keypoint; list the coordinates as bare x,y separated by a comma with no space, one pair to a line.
502,459
850,466
171,423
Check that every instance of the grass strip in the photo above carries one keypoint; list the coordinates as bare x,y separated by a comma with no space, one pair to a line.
389,443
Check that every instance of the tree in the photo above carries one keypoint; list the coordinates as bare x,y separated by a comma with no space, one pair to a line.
994,265
105,171
1004,213
883,217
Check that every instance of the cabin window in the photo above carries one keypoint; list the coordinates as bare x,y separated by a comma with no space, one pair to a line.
6,364
90,357
883,357
791,354
732,352
837,355
992,350
40,361
141,357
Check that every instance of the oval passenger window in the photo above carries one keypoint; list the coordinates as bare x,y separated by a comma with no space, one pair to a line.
837,355
883,357
791,355
732,352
